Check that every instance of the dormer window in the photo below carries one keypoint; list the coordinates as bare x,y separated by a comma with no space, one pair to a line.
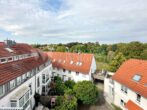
80,63
137,77
10,59
71,62
77,63
3,60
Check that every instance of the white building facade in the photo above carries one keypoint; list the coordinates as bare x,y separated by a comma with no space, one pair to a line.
129,95
25,74
68,69
25,71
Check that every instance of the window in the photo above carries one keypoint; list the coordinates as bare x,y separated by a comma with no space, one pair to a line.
3,60
10,59
15,58
28,74
21,101
12,84
27,95
69,72
124,89
77,73
111,91
111,81
69,78
63,70
18,80
24,77
71,62
122,103
43,78
38,82
13,103
1,90
136,77
138,97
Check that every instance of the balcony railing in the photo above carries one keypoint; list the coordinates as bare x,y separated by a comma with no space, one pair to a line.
45,81
11,108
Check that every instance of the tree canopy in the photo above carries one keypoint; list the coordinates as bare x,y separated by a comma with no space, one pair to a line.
86,92
116,62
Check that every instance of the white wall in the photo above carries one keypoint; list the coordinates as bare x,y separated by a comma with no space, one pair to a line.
74,76
131,95
118,95
5,101
71,75
92,68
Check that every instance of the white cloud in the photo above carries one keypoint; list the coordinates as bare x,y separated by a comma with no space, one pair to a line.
77,20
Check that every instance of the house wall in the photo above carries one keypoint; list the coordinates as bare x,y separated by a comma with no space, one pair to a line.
118,95
5,101
72,75
92,68
131,95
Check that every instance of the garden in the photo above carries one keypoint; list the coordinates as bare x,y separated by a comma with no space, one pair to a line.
68,95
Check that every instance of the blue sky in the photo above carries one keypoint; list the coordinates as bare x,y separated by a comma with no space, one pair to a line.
62,21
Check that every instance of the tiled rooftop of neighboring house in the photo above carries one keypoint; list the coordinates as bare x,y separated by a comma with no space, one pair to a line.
72,61
133,74
11,70
132,106
17,49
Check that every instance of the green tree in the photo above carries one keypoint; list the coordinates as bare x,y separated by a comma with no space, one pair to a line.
86,92
116,62
59,86
69,84
61,49
144,54
66,102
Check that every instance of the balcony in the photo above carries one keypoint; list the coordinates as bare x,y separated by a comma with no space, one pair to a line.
44,81
11,108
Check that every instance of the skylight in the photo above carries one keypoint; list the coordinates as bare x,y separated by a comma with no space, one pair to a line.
71,62
79,63
9,50
145,84
136,77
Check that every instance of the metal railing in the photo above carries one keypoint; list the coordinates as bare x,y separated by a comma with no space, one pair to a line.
11,108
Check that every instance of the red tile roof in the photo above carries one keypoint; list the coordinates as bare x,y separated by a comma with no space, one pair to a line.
18,49
127,71
132,106
63,60
11,70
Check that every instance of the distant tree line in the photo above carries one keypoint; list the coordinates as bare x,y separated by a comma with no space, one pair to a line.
107,53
